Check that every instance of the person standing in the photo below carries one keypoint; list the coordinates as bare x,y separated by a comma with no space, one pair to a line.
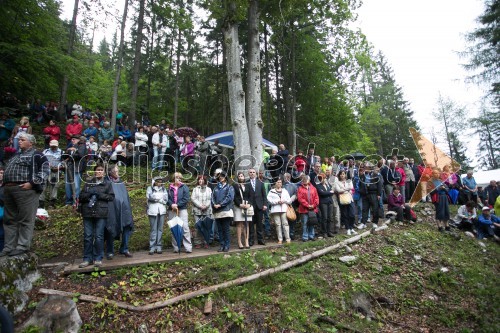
291,188
23,127
441,202
344,186
51,132
24,177
178,199
370,188
74,128
222,206
159,147
95,201
279,199
258,199
308,203
332,179
470,186
157,196
325,192
2,233
75,166
241,205
202,210
53,155
120,221
204,151
492,192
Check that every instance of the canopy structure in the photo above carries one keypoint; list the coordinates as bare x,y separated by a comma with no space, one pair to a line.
226,140
483,177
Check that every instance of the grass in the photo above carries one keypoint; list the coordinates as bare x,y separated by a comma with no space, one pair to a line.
404,265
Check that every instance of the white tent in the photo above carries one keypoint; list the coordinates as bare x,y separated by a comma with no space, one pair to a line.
483,178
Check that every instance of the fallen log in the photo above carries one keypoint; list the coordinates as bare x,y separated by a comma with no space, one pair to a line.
211,289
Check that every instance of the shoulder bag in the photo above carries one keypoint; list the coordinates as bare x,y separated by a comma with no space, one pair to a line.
249,211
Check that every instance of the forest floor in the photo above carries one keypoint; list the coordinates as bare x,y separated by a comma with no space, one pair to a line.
407,278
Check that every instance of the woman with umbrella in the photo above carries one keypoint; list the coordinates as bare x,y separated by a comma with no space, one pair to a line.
202,210
241,213
222,205
178,198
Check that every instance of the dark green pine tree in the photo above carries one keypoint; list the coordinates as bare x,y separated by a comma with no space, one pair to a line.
385,115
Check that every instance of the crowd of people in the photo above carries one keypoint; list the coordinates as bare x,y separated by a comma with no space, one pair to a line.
327,195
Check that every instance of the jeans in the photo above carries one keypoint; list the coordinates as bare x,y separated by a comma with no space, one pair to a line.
224,231
157,158
93,238
267,223
155,235
358,204
126,232
72,187
307,230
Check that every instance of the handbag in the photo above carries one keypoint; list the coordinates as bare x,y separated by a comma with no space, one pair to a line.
290,213
345,198
312,218
249,211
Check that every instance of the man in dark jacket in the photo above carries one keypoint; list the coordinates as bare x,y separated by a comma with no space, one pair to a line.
95,200
258,199
370,188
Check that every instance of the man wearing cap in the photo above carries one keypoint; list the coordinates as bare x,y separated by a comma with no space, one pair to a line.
23,180
73,128
488,225
53,155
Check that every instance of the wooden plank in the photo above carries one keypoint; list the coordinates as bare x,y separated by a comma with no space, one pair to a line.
143,258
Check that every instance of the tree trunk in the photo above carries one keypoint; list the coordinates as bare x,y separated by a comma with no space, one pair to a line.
64,88
293,109
236,94
253,97
119,61
150,63
177,70
137,65
224,86
268,95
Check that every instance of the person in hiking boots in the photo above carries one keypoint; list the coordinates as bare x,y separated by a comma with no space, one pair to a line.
95,200
326,193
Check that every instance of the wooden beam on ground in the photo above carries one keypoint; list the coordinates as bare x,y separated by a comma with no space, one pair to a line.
208,290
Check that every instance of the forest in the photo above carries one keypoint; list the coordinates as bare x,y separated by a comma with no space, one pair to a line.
308,74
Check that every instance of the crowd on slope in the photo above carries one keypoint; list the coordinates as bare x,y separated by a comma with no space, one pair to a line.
326,194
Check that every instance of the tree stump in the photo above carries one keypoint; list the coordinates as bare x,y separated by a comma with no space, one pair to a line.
56,314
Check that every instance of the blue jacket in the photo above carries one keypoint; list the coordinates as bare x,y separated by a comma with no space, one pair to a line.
182,197
90,131
493,219
223,196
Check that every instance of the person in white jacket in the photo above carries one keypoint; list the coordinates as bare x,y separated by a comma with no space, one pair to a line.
157,196
279,199
160,142
466,217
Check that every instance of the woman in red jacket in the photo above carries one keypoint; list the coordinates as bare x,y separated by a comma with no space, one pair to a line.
308,203
51,132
